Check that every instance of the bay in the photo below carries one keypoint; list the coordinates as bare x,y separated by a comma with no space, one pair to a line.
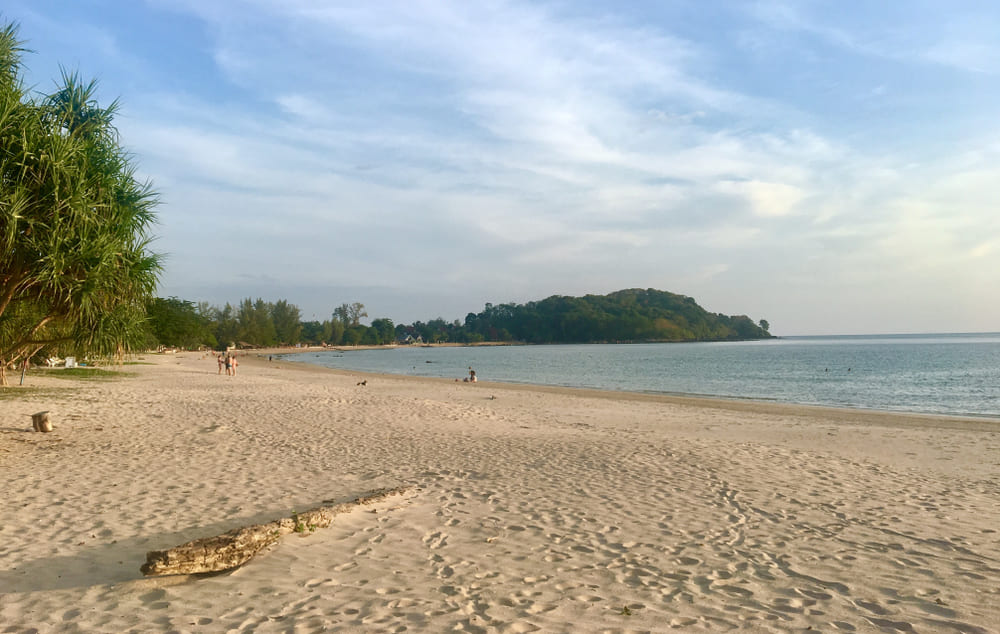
952,374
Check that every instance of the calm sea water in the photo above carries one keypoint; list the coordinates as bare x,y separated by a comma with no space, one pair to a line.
937,374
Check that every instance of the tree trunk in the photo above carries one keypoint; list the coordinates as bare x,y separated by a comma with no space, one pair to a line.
238,546
41,422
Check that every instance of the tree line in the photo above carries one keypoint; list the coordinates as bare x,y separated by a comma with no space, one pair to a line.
256,323
632,315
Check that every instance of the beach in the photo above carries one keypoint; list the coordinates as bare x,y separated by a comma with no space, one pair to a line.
524,508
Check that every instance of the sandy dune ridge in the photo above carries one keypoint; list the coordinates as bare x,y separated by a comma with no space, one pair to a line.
528,510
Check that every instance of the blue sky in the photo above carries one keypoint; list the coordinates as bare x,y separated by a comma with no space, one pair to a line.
831,167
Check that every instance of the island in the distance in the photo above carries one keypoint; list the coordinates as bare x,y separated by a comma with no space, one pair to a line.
630,315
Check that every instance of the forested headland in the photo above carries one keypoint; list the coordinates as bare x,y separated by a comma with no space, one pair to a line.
632,315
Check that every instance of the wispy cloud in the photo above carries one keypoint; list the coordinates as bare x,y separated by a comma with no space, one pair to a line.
912,33
525,148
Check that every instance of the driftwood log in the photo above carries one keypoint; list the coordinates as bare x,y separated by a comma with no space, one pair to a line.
41,422
238,546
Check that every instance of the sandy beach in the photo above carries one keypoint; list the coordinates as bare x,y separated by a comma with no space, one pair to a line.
526,509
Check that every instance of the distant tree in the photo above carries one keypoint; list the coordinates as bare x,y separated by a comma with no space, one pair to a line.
350,314
765,326
75,266
342,314
227,328
437,331
312,332
336,332
370,336
385,330
354,335
287,322
256,324
175,322
420,330
357,311
405,330
208,313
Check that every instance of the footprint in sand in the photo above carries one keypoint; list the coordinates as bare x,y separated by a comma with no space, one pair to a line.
317,583
886,624
871,606
813,594
736,590
154,595
435,540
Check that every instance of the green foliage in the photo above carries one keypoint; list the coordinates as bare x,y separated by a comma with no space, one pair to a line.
623,316
76,269
27,394
287,322
336,333
353,335
349,314
630,315
384,331
314,332
226,327
256,323
95,374
177,323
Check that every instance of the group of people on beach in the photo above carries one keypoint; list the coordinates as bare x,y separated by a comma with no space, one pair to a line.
228,361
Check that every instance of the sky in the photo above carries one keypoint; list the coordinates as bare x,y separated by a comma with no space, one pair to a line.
830,167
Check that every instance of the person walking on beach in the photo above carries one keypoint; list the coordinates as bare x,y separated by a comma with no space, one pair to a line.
229,365
235,363
221,363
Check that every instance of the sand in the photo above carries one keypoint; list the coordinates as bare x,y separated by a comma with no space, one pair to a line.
529,509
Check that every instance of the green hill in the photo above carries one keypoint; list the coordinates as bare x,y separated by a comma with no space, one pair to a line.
627,315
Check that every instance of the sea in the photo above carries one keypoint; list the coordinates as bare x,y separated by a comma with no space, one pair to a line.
950,374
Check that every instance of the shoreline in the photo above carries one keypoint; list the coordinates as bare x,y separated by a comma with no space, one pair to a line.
531,508
988,423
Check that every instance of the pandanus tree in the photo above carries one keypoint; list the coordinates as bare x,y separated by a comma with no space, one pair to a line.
75,263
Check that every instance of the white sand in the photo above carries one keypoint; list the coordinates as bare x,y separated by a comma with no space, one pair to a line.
540,510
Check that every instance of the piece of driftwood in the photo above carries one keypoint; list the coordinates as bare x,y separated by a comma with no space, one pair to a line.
238,546
41,422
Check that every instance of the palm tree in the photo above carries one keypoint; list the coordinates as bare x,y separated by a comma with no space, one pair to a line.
76,269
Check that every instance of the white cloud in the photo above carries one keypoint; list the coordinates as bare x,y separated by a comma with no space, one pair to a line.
534,147
766,199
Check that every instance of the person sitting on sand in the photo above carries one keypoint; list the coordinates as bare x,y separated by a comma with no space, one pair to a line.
472,376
